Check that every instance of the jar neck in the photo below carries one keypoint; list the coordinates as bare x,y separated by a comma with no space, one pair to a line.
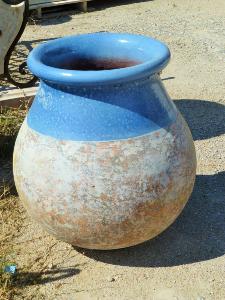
101,113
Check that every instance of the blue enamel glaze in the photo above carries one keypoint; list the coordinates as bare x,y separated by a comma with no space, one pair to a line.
100,105
152,54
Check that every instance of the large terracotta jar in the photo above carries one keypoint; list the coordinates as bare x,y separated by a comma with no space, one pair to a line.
104,159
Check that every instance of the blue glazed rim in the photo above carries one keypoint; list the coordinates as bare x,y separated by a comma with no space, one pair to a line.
151,54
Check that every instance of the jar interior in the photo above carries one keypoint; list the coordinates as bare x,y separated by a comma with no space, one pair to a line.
94,64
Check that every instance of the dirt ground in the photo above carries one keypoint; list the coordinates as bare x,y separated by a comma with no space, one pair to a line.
187,261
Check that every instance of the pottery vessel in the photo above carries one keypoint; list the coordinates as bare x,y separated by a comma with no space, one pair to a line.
104,160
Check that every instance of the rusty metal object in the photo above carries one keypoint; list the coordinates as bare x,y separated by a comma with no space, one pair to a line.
98,191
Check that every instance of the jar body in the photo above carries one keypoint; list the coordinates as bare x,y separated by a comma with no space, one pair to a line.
104,167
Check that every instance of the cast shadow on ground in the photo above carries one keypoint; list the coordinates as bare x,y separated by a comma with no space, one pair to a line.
102,4
52,17
205,118
23,279
49,19
198,234
33,43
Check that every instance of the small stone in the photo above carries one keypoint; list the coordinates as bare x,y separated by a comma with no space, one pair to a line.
111,279
50,266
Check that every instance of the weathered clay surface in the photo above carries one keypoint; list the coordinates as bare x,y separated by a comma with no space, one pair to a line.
105,195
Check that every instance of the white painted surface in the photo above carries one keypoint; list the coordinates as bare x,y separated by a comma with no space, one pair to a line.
11,18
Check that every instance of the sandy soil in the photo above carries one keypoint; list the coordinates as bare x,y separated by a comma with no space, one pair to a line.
187,261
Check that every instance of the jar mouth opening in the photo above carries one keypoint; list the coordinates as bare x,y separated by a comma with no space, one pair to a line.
98,58
94,64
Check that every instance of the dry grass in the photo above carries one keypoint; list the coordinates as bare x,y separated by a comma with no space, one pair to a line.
10,122
7,186
10,227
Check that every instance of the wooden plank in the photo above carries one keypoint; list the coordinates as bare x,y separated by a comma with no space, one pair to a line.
16,97
83,6
39,12
55,3
48,3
